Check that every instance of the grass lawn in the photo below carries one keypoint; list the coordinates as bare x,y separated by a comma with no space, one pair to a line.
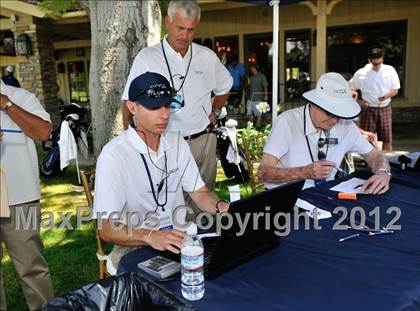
71,254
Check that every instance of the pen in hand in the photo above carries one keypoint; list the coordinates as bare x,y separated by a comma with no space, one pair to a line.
342,171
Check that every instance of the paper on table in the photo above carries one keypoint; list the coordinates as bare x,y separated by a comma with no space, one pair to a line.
208,235
353,185
322,214
235,193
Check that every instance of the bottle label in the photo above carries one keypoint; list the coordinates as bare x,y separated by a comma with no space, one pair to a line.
192,258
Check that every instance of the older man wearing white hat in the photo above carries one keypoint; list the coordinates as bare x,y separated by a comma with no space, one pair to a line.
310,142
9,78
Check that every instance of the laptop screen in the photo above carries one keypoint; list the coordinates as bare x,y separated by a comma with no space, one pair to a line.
254,226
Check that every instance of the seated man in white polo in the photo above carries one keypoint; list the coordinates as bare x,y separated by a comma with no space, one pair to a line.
145,170
310,142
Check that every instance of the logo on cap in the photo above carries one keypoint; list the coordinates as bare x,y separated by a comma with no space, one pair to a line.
340,91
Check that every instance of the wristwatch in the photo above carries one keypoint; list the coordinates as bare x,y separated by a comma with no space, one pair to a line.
8,105
384,170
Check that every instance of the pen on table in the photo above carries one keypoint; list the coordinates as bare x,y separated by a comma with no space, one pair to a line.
10,131
323,196
379,232
359,229
349,237
358,186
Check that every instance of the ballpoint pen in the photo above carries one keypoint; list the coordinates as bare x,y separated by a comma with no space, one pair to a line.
342,171
379,232
364,229
10,131
349,237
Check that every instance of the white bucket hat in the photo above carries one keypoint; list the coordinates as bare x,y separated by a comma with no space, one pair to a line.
333,94
10,69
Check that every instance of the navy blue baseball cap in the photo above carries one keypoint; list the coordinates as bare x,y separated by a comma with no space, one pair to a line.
151,90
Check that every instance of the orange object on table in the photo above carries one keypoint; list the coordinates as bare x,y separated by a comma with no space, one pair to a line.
347,196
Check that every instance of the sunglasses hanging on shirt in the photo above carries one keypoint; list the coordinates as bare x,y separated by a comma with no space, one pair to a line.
327,141
178,102
322,142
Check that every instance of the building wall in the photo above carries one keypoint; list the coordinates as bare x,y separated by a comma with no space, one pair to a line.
258,19
65,56
37,74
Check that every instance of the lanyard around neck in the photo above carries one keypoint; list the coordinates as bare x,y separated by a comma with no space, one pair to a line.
156,197
306,136
169,68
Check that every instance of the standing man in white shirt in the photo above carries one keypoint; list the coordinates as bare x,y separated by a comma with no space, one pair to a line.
378,83
145,170
195,72
23,120
310,142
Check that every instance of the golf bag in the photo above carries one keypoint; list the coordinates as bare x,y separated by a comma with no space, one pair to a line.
240,171
74,114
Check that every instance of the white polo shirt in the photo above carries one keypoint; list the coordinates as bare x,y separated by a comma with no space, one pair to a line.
17,151
375,84
287,141
205,75
122,183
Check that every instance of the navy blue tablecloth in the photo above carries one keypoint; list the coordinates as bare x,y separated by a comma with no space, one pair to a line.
311,270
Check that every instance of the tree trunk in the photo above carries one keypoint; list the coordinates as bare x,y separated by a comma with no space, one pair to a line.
120,29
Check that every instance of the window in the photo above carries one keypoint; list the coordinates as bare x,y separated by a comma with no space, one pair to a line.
225,47
348,47
78,82
297,64
259,52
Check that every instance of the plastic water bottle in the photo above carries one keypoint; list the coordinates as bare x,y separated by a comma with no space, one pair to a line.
192,260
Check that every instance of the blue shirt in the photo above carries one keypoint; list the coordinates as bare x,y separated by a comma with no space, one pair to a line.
237,72
10,80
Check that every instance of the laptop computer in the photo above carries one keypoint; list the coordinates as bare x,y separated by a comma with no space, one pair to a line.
229,250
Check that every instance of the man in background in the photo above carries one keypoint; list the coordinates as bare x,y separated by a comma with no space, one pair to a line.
195,72
378,83
257,93
237,71
9,78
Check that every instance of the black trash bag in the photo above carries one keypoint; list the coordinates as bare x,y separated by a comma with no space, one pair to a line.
122,292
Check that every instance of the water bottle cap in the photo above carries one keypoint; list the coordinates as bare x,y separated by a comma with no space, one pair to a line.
192,229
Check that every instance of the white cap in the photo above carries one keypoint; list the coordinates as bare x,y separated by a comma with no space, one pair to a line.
10,69
192,229
231,123
333,94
